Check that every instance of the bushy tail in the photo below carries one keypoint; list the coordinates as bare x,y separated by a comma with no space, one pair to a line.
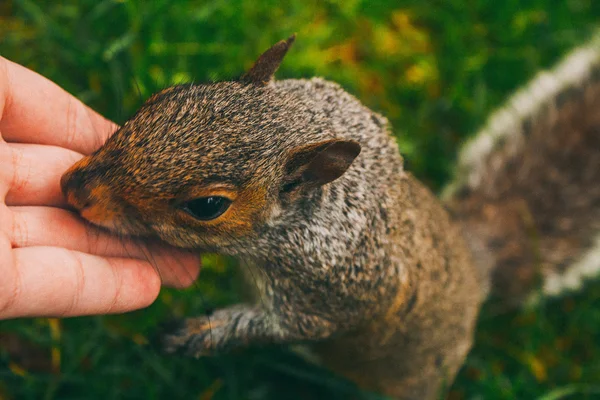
528,185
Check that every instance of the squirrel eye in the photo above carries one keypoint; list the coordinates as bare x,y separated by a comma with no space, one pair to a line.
207,208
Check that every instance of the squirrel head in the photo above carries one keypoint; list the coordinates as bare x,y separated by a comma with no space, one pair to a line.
203,166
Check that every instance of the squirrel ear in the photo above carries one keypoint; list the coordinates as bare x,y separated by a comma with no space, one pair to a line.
320,163
264,68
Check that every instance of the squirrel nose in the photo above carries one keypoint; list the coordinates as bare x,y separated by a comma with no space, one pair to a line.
74,186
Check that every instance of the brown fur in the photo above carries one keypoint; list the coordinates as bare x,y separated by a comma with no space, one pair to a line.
354,256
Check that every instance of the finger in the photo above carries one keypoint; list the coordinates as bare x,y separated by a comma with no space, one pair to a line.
32,173
177,268
59,282
35,110
48,226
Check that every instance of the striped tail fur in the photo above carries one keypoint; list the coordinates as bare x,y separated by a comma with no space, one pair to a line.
528,185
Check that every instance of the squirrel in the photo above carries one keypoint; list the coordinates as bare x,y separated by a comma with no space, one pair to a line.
357,259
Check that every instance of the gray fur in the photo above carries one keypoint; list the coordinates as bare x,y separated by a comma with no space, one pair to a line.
369,270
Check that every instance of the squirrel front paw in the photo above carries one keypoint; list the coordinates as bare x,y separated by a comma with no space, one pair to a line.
194,337
223,330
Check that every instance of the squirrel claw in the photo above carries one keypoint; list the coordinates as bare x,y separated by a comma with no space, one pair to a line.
193,337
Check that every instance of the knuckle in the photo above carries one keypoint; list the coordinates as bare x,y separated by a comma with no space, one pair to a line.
20,176
19,230
6,221
78,285
7,166
4,245
10,284
8,298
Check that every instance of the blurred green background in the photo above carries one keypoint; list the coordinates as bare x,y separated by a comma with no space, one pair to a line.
436,69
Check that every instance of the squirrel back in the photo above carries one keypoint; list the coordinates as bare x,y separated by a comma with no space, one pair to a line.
528,185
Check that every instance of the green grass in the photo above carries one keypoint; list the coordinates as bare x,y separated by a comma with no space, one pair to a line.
435,68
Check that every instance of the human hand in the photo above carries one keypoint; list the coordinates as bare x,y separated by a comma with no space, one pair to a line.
52,263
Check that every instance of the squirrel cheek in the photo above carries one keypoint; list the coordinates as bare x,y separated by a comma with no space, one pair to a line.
246,213
102,218
101,210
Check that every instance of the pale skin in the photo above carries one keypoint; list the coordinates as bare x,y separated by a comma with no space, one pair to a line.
52,263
